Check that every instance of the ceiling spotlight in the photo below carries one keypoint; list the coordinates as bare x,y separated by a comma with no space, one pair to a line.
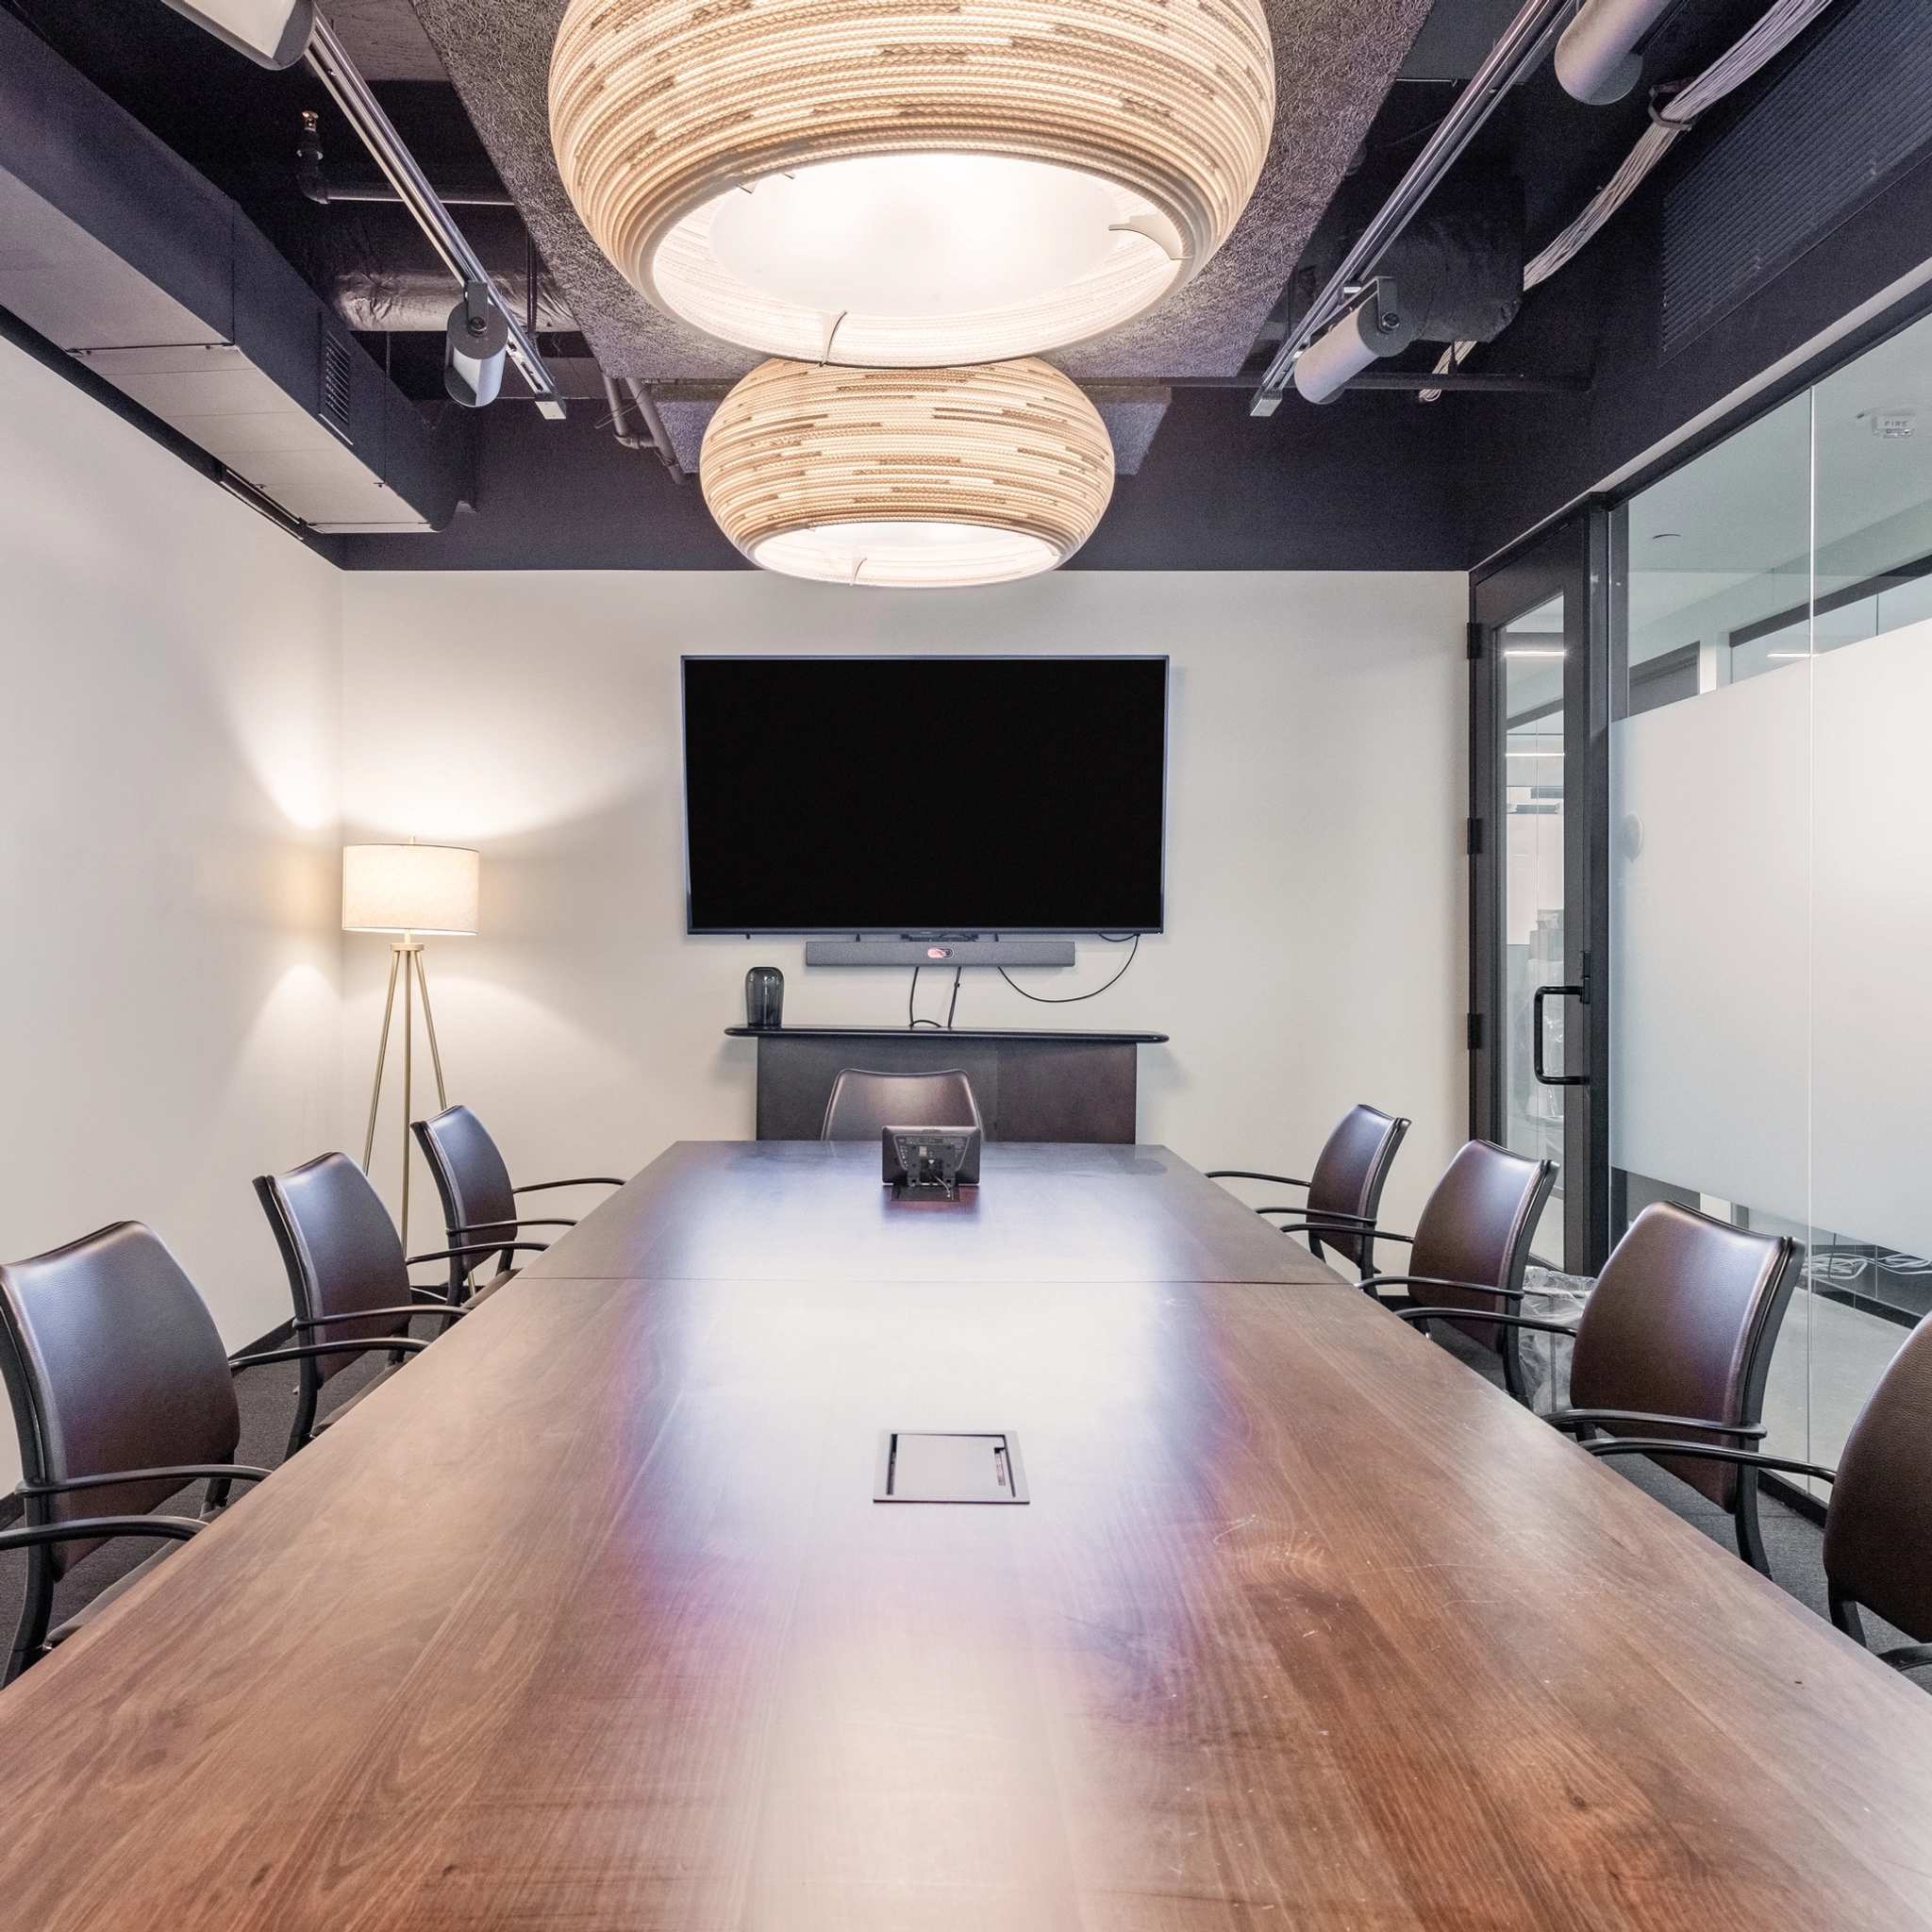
475,345
273,33
943,476
1596,61
1371,329
910,187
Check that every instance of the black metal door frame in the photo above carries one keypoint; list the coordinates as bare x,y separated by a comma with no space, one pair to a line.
1573,558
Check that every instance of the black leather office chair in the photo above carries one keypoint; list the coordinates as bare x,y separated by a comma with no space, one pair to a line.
346,1272
1471,1243
1878,1525
1345,1190
479,1208
862,1102
1675,1342
121,1395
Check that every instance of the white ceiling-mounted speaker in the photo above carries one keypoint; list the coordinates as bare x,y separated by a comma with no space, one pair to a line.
1597,59
894,184
273,33
915,478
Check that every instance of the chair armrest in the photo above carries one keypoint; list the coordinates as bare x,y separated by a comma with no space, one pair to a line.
1363,1230
1907,1657
480,1248
1708,1452
583,1180
478,1227
188,1472
405,1342
1482,1315
1326,1214
99,1528
435,1304
1575,1417
1508,1294
1247,1173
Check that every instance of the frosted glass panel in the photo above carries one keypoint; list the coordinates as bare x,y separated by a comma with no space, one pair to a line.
1872,940
1770,864
1709,891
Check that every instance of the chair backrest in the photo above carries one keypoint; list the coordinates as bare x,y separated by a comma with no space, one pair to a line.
340,1250
1681,1321
470,1178
1476,1226
1349,1172
1879,1530
113,1361
862,1102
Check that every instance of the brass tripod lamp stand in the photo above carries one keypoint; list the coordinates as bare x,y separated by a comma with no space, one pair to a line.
411,890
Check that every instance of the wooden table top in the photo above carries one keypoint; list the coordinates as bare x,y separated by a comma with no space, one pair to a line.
587,1619
814,1211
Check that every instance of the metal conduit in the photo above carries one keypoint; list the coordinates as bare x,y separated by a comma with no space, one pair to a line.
351,93
1510,58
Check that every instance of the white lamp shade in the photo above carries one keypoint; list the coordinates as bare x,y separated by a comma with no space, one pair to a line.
894,184
409,889
912,479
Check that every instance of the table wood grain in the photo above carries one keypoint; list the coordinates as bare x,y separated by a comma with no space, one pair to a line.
814,1210
585,1619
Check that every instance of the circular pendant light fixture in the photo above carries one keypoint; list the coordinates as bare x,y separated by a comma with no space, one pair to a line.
912,479
894,184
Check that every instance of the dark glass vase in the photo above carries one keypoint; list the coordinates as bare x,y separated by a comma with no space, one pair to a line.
764,998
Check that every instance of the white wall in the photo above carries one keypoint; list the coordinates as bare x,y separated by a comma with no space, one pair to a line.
170,702
1315,950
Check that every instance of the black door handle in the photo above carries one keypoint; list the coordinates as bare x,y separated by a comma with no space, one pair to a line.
1536,1037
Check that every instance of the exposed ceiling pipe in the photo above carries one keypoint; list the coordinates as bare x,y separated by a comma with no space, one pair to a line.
1509,61
386,301
337,72
323,192
657,438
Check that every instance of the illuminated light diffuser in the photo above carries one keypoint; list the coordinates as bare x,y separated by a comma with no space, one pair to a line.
890,184
939,476
409,889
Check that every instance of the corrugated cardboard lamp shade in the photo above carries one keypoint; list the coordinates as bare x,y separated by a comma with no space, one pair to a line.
914,478
890,184
424,889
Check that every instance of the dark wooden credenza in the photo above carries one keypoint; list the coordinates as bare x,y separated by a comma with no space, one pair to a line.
1030,1086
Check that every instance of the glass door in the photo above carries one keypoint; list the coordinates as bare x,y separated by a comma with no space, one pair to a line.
1536,1008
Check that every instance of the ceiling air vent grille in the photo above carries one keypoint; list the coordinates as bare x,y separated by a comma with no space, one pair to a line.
1849,116
335,386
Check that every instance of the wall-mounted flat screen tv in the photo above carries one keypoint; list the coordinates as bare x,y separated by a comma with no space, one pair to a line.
925,794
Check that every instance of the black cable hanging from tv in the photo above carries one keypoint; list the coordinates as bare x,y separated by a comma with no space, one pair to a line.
1072,998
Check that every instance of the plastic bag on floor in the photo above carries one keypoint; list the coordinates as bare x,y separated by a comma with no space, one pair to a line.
1550,1296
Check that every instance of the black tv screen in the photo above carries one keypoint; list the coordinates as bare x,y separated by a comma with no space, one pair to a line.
925,794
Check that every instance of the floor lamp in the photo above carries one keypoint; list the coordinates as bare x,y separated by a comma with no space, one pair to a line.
411,890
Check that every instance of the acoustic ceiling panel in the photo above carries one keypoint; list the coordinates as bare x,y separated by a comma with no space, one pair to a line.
1334,62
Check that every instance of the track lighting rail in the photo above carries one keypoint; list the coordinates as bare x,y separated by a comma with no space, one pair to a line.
1510,58
351,94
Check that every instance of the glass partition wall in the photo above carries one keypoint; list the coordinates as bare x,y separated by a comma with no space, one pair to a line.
1769,829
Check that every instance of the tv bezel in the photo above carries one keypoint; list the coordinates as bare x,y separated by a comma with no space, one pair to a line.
689,658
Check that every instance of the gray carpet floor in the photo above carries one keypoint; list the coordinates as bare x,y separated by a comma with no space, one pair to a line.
1792,1541
267,1398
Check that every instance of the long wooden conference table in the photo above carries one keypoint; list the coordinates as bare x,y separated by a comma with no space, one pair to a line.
589,1619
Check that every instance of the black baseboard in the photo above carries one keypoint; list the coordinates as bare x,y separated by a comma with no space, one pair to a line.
11,1507
1789,1494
